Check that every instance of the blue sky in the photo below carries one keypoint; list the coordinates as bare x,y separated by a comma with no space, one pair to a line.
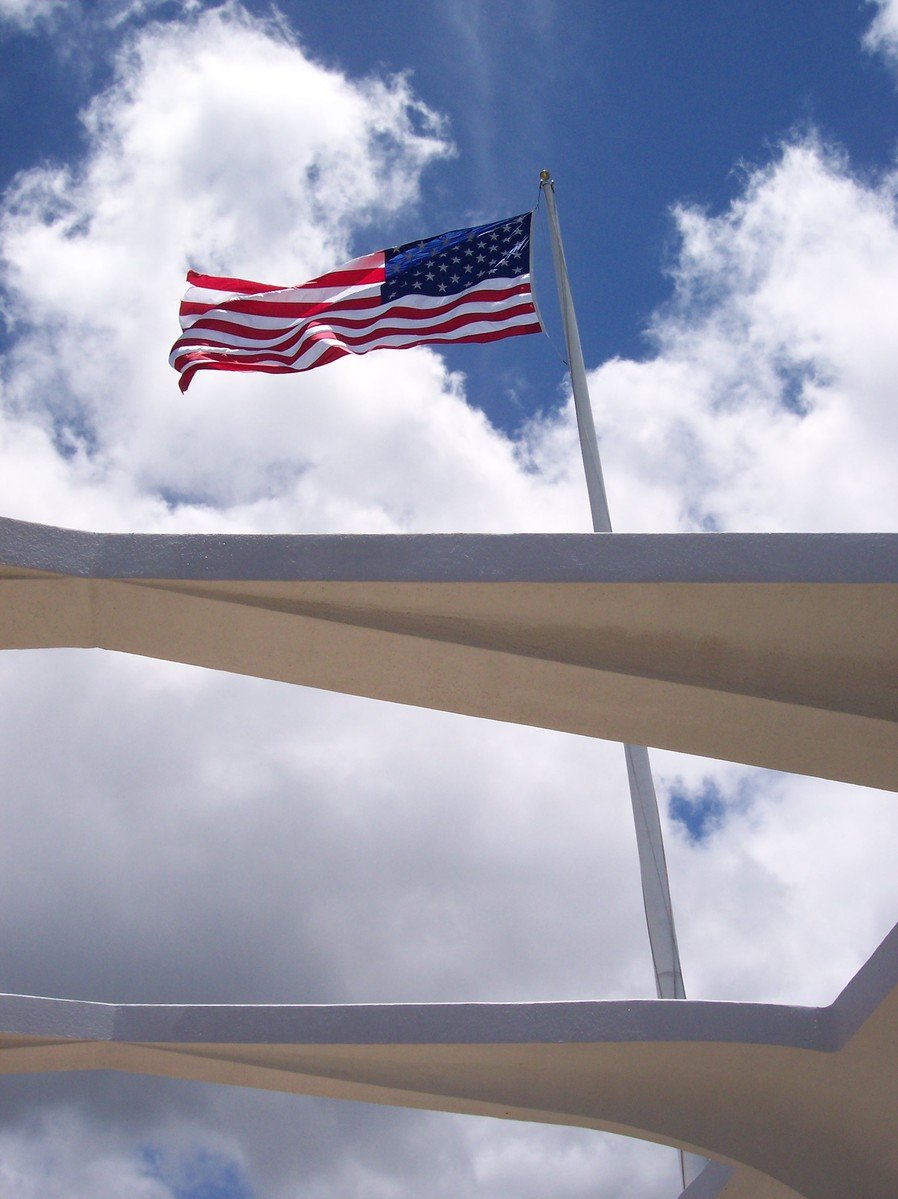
726,180
634,109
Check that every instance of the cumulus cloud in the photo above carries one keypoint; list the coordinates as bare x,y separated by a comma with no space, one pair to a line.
269,171
882,35
774,374
181,836
47,1161
262,170
26,14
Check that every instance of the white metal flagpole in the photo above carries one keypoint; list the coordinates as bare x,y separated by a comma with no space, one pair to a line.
649,842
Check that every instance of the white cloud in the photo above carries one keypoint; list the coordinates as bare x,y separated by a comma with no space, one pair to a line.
770,404
48,1162
184,836
28,13
266,170
263,169
882,35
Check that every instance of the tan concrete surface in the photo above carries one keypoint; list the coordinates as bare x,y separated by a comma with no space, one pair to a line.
797,676
797,1099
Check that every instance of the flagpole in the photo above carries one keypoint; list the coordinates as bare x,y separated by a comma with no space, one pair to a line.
649,840
589,446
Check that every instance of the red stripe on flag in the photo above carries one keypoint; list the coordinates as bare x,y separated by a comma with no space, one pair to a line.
238,325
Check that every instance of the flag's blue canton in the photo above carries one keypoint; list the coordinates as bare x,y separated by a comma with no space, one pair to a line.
455,261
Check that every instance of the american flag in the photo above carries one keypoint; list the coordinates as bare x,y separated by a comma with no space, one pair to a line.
465,285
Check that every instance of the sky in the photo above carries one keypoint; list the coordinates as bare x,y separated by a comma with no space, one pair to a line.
726,179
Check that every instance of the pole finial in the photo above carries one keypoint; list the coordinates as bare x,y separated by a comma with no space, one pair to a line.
545,176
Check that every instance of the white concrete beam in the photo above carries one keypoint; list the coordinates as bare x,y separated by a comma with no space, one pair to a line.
777,650
798,1100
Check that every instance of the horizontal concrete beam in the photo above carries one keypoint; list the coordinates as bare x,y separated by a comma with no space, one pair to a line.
800,1101
777,650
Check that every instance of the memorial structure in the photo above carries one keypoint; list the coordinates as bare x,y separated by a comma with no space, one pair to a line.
777,650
